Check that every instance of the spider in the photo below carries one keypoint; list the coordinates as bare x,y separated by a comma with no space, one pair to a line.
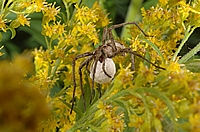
102,62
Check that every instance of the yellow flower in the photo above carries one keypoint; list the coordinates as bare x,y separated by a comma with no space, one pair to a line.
86,33
114,121
102,17
174,67
125,76
148,73
2,23
48,30
59,29
39,5
50,12
94,15
85,15
23,20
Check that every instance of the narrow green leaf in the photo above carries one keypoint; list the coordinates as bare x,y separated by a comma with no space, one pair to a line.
188,32
190,54
75,109
1,36
13,31
155,48
193,65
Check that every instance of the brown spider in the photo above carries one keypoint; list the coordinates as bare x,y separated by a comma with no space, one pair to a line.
109,49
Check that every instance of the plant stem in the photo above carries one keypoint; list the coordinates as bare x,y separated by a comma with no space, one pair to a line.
133,14
188,32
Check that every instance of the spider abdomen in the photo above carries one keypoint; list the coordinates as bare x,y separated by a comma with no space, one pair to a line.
100,75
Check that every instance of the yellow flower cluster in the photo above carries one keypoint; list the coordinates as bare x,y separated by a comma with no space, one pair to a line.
114,121
166,25
22,9
22,106
63,38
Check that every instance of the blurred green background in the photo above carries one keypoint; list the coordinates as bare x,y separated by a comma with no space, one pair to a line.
30,37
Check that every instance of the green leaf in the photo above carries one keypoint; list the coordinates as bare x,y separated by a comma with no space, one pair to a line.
155,48
88,3
190,54
75,109
13,31
193,65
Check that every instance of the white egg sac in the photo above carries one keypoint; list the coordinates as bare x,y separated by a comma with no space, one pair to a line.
100,76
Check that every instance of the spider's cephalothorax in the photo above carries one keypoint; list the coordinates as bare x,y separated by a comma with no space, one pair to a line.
103,69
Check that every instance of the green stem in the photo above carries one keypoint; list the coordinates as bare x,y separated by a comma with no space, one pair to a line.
2,6
47,42
188,32
57,63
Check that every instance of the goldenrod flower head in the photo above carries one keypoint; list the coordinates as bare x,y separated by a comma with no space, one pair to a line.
102,16
95,15
23,20
125,75
50,12
147,73
174,67
39,5
2,23
86,33
85,15
114,121
48,30
59,28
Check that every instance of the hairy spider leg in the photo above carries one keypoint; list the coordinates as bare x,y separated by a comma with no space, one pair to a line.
129,50
103,67
81,79
128,23
99,88
96,59
132,62
74,77
109,30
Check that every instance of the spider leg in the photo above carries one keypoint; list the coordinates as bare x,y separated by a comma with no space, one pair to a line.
94,71
127,23
110,36
85,62
87,67
103,67
129,50
74,77
99,88
132,62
